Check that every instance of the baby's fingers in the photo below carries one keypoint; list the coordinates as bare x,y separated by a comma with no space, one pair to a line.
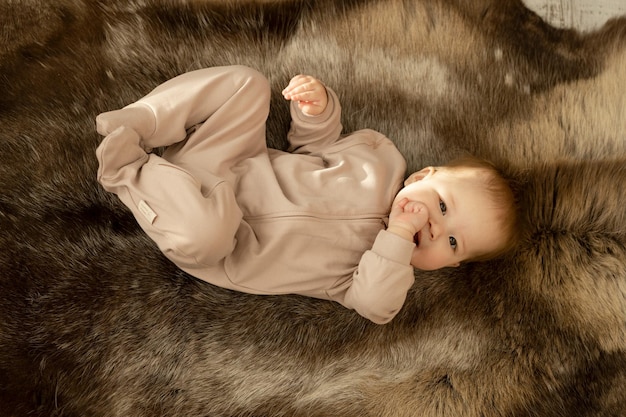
419,216
400,205
305,88
305,96
414,207
295,85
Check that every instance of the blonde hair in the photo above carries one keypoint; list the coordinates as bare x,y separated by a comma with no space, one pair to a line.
499,191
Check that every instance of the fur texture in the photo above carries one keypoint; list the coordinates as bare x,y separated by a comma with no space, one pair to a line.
96,322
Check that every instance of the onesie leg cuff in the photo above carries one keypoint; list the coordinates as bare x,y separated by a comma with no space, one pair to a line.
120,156
137,116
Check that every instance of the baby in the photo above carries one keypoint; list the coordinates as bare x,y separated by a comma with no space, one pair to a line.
327,218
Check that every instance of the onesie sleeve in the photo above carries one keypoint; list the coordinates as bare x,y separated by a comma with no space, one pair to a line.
382,279
311,133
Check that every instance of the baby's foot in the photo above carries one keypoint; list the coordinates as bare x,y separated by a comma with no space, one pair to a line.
138,116
120,156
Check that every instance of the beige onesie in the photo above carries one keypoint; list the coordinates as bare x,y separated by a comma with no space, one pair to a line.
230,211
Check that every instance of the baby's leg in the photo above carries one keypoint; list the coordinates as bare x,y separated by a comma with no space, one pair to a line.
234,100
182,200
193,224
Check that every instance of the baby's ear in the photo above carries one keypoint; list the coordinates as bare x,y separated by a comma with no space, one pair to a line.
419,175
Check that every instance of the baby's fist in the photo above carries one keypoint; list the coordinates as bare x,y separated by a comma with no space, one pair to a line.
309,92
407,218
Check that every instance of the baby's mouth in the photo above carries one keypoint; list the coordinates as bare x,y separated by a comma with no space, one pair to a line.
416,238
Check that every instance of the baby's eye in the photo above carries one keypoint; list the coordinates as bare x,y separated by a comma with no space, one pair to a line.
452,240
443,207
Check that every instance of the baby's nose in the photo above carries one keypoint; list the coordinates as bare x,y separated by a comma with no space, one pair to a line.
434,228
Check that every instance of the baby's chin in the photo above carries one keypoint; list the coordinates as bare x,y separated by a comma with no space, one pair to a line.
418,262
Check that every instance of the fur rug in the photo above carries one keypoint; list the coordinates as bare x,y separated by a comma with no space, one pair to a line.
96,322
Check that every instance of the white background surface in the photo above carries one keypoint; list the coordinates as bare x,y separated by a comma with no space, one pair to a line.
584,15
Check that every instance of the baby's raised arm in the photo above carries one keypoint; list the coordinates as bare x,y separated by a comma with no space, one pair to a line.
309,92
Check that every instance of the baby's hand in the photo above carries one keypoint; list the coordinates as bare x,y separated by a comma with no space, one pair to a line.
407,218
309,92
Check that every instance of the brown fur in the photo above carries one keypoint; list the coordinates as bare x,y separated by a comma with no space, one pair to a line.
95,322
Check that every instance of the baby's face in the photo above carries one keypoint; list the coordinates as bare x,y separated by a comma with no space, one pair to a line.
461,217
